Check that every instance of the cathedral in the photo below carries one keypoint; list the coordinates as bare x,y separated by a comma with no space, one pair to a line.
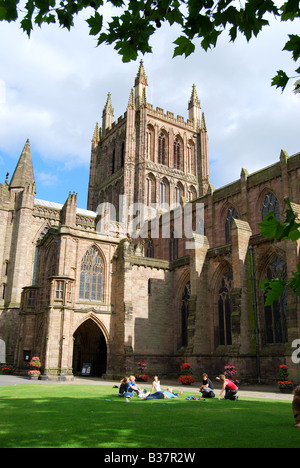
106,288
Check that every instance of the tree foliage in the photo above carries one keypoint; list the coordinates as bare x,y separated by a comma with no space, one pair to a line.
273,229
131,30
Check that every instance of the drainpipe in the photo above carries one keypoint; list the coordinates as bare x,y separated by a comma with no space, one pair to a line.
255,314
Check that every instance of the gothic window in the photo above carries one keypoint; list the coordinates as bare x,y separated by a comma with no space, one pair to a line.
178,193
150,143
192,193
173,247
270,203
91,276
162,194
150,249
177,155
191,160
122,154
151,190
51,259
224,309
231,214
185,313
177,196
275,314
162,149
113,161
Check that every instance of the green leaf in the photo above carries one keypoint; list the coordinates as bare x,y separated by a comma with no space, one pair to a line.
3,12
26,25
184,46
9,10
280,80
294,284
95,23
293,45
270,227
274,289
290,10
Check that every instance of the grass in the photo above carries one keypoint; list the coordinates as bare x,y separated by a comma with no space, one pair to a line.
83,416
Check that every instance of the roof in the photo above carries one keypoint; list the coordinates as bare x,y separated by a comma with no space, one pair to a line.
58,206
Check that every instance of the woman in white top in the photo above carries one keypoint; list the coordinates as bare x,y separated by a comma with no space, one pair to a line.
155,385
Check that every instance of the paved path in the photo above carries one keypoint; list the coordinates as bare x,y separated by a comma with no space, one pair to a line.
255,391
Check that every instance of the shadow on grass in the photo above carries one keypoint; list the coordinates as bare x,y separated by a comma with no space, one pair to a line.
94,417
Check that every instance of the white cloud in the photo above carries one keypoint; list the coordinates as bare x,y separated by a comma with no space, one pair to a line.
47,179
2,95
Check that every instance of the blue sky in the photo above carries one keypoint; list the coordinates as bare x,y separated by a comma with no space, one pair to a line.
54,86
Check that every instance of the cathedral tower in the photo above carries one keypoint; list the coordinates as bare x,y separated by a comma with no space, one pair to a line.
149,155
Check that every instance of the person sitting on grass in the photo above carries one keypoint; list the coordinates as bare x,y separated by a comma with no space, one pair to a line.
124,390
133,387
296,406
229,387
155,385
207,388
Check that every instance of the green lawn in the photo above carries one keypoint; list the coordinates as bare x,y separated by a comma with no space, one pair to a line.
85,416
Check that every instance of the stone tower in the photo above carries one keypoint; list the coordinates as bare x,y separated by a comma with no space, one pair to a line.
148,155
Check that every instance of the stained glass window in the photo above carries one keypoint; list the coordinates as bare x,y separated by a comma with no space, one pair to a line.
270,203
91,276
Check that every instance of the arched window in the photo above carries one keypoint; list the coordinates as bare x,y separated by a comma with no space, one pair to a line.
162,149
177,196
191,158
224,309
113,164
151,189
122,154
270,203
231,214
162,194
275,314
150,143
177,155
91,273
150,249
185,313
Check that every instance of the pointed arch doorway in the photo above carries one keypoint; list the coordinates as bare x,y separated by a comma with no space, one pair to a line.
89,347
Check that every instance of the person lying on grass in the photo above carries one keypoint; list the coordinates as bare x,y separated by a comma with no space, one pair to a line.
161,395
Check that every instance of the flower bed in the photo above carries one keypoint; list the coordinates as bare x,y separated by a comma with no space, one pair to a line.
5,370
34,371
230,373
186,377
141,375
284,384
